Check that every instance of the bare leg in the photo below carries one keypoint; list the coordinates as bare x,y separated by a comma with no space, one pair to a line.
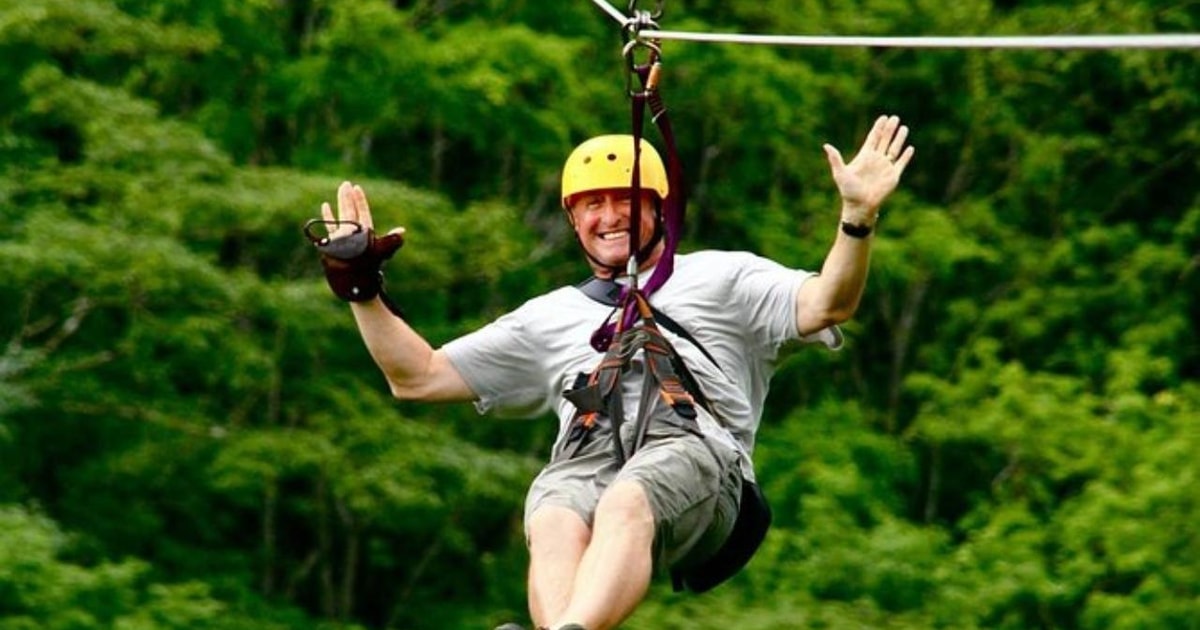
615,571
557,540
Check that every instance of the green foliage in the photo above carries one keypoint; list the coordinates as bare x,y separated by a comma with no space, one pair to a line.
41,586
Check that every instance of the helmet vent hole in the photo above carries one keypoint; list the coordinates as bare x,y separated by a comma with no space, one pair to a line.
612,157
587,160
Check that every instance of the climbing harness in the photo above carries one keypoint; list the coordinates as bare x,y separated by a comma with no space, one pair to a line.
608,292
754,513
593,390
599,393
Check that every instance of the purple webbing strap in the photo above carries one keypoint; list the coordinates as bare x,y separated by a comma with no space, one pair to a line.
635,186
675,205
674,208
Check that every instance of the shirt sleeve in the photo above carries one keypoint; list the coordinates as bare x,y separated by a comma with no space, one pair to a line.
767,290
501,367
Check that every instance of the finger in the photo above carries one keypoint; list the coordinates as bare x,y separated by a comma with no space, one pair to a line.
888,132
360,204
902,161
347,213
333,228
346,209
836,163
897,144
875,138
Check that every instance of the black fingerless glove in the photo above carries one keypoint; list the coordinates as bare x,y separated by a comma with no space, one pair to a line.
354,263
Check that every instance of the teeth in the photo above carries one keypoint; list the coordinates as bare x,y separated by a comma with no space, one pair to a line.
609,236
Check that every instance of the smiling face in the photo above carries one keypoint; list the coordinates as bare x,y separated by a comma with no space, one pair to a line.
601,219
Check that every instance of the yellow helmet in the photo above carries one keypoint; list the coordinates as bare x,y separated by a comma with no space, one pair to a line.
607,162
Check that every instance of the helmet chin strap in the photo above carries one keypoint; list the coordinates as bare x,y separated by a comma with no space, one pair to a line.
643,253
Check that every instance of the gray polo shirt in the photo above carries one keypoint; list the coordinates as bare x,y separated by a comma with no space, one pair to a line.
739,306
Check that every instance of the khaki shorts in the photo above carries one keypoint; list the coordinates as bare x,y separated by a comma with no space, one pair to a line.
693,485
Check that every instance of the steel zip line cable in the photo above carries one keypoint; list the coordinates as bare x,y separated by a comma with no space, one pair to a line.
1161,40
611,11
1015,41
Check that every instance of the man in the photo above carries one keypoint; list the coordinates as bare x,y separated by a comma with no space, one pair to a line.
598,523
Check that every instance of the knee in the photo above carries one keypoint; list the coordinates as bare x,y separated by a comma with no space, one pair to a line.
554,526
625,505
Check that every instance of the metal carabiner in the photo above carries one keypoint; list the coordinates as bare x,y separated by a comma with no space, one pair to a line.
653,52
633,41
647,73
652,45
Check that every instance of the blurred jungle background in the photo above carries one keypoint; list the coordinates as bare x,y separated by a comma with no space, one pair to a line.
193,436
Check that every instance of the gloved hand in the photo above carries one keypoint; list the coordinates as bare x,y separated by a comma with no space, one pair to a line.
353,263
351,253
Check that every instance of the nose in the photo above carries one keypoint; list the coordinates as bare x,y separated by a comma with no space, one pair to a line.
611,210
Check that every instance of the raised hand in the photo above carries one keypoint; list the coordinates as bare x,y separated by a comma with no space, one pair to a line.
872,175
351,253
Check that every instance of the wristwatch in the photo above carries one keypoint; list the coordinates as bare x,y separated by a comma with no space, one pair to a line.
856,230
